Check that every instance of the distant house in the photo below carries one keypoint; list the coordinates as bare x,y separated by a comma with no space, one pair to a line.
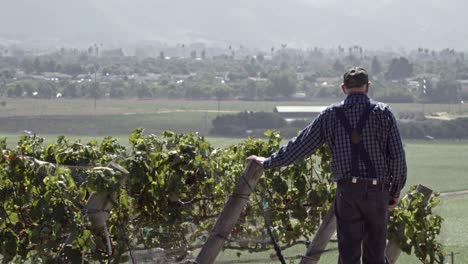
56,76
292,113
177,77
464,85
148,77
433,78
46,76
328,81
299,96
413,86
464,88
255,79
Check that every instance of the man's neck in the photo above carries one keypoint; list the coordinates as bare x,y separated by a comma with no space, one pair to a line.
357,92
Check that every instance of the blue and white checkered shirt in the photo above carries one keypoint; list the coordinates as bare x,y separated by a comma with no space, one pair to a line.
380,137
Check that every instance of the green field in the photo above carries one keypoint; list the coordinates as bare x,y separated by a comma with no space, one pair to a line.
453,236
109,124
24,107
439,165
114,117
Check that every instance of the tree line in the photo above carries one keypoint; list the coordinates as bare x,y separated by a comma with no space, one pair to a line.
419,75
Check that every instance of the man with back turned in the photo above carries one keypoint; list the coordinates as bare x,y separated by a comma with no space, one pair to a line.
368,166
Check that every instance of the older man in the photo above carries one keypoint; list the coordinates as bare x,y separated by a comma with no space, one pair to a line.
368,165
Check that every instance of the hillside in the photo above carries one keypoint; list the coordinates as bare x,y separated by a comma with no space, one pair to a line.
258,23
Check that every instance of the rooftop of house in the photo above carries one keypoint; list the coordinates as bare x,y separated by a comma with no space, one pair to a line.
299,109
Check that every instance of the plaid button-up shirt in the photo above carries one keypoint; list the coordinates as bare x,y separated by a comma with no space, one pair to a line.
380,137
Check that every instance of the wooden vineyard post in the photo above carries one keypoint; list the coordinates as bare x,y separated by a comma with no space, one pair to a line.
230,214
321,238
393,249
98,209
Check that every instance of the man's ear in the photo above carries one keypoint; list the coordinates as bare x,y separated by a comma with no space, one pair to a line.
367,86
343,88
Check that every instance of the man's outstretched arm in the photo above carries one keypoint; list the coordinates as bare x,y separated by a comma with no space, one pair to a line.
304,144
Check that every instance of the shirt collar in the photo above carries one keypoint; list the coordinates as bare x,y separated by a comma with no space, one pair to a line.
357,98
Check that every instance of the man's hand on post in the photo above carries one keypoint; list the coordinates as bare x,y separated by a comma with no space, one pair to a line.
393,203
258,160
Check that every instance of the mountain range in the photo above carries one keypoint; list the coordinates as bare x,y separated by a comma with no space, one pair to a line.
255,23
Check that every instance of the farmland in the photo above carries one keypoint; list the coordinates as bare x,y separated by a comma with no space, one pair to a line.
37,107
119,117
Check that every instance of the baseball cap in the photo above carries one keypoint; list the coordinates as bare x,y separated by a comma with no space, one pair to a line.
355,77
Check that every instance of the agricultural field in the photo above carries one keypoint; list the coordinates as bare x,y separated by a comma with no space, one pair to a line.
114,117
24,107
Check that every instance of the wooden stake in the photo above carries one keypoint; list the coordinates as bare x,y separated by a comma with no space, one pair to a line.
231,213
321,238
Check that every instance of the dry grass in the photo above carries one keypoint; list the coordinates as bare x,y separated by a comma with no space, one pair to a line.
35,107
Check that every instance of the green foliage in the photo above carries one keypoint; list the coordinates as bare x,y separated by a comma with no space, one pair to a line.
338,67
177,186
151,74
376,66
399,69
457,128
416,228
39,207
446,90
72,153
237,124
283,83
395,96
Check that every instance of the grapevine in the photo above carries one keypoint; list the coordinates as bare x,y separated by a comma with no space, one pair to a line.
176,188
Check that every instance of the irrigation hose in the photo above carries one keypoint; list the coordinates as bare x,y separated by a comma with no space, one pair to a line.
266,215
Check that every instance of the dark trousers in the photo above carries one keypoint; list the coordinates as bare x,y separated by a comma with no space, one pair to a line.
361,215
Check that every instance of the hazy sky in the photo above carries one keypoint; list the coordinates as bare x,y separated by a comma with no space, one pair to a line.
256,23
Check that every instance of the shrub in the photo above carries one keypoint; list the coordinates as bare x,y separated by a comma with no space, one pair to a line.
237,124
457,128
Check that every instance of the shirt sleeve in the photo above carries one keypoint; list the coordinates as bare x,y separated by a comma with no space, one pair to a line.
308,140
396,159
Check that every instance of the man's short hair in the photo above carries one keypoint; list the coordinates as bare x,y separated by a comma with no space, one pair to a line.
355,77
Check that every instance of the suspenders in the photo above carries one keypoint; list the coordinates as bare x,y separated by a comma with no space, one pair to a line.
357,146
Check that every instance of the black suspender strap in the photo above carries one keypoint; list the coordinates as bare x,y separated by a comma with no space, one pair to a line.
357,146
